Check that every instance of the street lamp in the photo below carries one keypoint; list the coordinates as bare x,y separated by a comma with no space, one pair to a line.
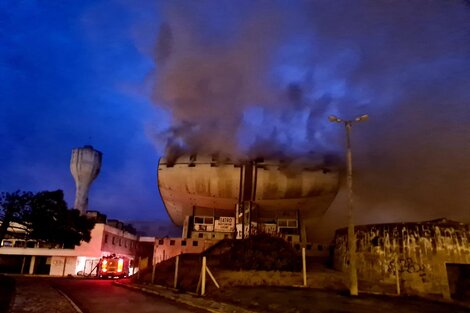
353,289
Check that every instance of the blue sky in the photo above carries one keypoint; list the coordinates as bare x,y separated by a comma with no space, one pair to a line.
248,77
72,74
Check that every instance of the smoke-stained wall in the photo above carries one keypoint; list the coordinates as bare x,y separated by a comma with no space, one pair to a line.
417,251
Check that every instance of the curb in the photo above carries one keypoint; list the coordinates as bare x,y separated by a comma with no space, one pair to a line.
74,305
210,306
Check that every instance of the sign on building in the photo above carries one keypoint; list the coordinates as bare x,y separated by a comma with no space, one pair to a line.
225,224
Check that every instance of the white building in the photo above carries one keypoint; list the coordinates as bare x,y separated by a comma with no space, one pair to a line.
28,257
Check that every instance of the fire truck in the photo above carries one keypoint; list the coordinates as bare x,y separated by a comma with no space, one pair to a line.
113,266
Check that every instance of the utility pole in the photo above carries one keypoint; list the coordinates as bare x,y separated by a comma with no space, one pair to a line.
353,285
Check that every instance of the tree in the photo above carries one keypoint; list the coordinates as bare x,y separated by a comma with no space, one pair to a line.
47,218
14,206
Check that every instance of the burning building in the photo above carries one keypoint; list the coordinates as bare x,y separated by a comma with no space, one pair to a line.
217,198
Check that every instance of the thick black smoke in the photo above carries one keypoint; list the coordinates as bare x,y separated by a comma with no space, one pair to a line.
260,77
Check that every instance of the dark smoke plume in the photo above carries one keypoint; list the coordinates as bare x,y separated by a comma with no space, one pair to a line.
260,77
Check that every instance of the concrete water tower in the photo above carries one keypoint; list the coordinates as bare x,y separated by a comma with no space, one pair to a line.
85,166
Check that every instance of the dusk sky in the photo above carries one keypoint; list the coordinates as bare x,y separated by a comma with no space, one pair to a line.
136,78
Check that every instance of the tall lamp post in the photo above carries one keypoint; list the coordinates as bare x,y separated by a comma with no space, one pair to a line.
353,288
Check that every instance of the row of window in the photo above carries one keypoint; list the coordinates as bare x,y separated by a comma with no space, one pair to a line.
209,220
120,241
183,242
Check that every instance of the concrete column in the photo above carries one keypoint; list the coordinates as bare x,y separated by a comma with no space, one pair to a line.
31,265
23,264
65,264
304,267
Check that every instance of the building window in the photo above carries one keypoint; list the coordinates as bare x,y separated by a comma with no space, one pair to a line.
172,242
195,243
183,242
203,223
120,241
106,238
114,240
125,243
287,223
200,235
160,241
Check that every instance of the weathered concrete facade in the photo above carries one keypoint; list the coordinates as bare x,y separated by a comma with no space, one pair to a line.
419,253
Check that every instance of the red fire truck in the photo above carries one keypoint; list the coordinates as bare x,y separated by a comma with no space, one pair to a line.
113,266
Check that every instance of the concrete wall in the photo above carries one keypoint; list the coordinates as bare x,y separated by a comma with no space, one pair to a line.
417,251
167,248
58,269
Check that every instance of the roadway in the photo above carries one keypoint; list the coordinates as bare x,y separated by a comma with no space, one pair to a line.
89,296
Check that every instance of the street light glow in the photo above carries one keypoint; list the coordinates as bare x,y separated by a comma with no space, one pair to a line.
334,119
362,118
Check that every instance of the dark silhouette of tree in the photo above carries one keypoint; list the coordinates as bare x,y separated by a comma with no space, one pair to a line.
13,205
47,218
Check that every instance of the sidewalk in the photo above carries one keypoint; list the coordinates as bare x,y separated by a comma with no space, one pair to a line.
193,300
37,296
295,300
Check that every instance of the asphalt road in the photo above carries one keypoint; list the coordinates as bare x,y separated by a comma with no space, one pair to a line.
90,296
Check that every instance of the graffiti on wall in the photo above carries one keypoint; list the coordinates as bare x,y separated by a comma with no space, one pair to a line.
416,252
405,265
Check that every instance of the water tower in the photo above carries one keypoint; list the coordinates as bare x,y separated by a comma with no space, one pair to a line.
85,166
